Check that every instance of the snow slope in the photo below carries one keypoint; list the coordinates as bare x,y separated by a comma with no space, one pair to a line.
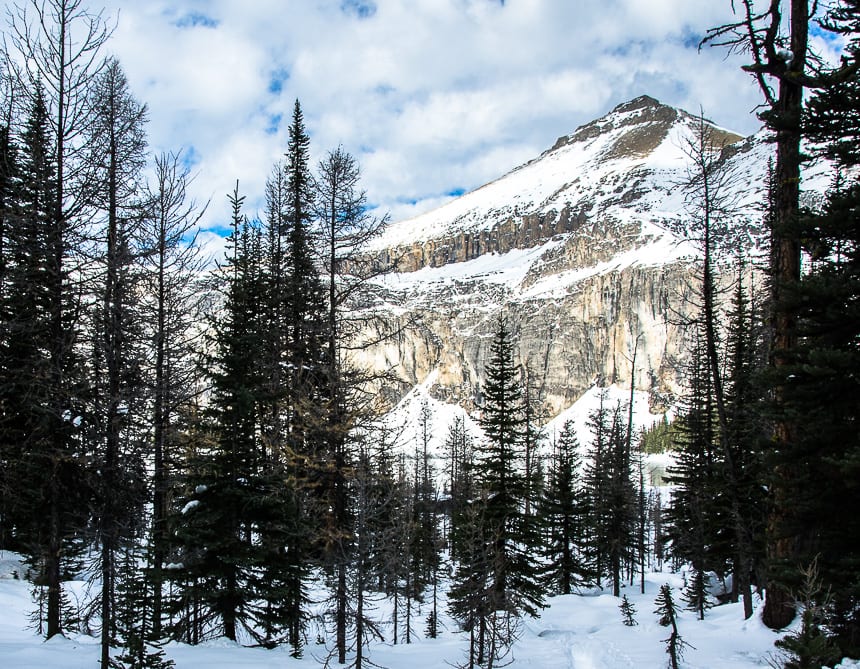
583,631
585,171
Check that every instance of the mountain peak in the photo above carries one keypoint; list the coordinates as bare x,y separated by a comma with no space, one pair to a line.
616,167
646,122
640,125
643,101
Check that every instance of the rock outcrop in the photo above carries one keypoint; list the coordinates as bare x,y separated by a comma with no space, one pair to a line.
583,250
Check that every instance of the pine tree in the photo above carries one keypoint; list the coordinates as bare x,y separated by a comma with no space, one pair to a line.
219,517
810,646
61,41
628,612
142,646
596,480
668,618
468,596
497,580
9,194
611,497
695,519
818,381
460,468
500,475
769,36
562,512
744,439
47,483
288,539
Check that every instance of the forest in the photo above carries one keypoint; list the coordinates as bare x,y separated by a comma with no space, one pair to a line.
197,441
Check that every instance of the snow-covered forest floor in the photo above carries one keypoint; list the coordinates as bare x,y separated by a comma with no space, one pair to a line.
583,631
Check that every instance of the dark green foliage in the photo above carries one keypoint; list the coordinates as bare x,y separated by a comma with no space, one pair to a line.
810,646
668,618
697,518
468,600
501,478
46,488
563,512
496,580
460,482
628,612
659,438
820,382
744,441
611,497
141,646
239,517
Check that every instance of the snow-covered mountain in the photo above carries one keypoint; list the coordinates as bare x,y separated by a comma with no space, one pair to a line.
584,250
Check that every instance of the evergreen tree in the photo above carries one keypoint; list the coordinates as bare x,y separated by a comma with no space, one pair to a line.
809,646
218,525
596,480
611,498
818,381
25,322
628,612
668,618
60,42
289,538
460,467
498,536
745,435
501,477
142,647
47,485
694,519
769,35
562,511
468,599
9,196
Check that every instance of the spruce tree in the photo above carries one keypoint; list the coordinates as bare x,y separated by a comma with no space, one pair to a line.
501,477
819,380
497,536
668,618
611,496
9,193
695,521
628,612
47,485
218,519
288,540
562,512
778,41
744,439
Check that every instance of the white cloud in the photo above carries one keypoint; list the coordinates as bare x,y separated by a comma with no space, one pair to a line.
432,96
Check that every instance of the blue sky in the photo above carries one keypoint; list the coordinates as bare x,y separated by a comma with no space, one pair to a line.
433,97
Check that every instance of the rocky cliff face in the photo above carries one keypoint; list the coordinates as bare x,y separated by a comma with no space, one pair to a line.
583,250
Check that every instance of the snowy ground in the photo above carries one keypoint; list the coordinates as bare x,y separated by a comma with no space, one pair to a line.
575,632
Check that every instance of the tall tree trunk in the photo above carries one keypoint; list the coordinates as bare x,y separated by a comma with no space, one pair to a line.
779,609
160,429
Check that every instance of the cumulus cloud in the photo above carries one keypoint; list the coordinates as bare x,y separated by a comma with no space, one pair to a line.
432,96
